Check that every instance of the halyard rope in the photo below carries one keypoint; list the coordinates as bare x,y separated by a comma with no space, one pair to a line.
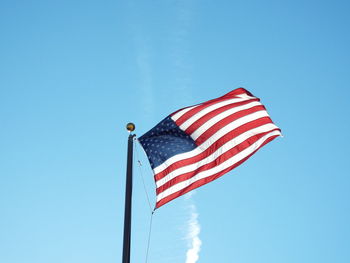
148,200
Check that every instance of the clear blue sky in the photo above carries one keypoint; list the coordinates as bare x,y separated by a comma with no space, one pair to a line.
73,73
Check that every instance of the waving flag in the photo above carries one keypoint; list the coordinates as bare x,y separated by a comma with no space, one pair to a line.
198,144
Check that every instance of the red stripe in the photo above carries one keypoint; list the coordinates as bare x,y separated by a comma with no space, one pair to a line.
221,141
208,179
235,92
172,114
222,158
197,109
231,95
222,123
194,126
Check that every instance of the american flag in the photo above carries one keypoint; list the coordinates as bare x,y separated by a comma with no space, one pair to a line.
196,145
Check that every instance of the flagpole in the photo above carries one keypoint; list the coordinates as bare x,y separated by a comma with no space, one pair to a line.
128,196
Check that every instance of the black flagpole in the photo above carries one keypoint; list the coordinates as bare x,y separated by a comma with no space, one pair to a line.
128,197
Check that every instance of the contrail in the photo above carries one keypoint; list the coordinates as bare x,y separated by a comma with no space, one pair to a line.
194,242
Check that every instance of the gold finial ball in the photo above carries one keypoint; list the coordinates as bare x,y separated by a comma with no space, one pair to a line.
130,127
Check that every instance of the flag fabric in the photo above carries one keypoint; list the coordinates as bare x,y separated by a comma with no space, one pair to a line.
196,145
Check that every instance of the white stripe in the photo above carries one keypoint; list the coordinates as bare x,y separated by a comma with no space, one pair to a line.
231,126
182,112
233,160
201,113
220,117
224,148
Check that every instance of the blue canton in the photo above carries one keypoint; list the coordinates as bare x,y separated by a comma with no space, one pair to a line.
165,140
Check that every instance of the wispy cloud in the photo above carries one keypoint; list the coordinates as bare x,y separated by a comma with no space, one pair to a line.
180,51
193,231
144,54
182,65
